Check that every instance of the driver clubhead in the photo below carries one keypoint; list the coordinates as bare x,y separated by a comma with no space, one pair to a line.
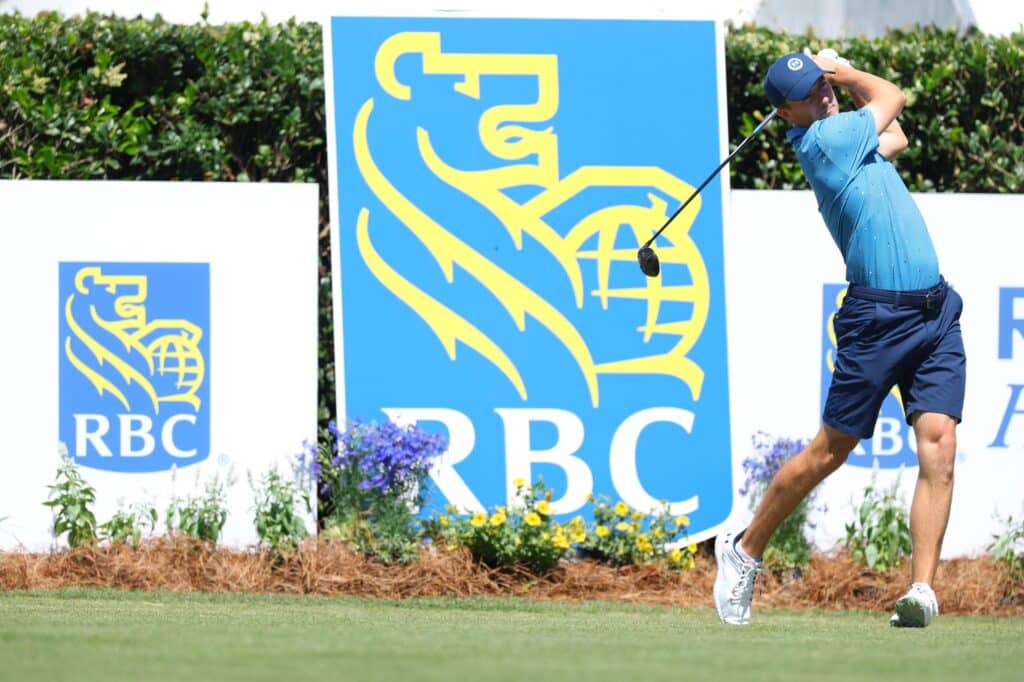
648,261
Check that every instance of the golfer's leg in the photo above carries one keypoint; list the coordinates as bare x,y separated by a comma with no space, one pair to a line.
929,512
794,481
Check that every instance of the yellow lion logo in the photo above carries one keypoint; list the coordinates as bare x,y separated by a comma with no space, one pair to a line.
107,316
530,158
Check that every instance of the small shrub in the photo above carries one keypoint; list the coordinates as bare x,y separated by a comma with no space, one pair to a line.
278,523
371,480
524,533
130,524
201,517
1007,548
70,498
880,535
619,536
789,546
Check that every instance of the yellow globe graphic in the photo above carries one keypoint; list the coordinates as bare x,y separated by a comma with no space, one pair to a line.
179,357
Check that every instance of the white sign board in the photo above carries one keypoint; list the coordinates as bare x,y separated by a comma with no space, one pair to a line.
165,333
780,265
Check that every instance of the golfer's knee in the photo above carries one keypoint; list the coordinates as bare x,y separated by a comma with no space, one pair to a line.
936,460
936,453
830,449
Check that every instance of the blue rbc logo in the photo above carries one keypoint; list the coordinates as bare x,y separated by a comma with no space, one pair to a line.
498,178
134,364
892,444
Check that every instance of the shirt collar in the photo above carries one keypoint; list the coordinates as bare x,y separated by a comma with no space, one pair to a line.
795,133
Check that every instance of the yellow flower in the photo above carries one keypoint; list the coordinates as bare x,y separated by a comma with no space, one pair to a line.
579,535
658,533
449,508
689,563
532,519
590,497
498,519
549,494
638,516
545,535
621,508
602,531
519,482
576,523
643,544
682,521
443,520
692,547
518,541
479,519
624,527
544,507
676,555
560,541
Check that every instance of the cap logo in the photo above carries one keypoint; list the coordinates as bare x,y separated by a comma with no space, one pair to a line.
795,64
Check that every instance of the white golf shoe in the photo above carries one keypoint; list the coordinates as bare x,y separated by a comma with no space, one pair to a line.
916,608
734,583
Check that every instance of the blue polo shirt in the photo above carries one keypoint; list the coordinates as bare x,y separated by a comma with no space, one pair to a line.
866,206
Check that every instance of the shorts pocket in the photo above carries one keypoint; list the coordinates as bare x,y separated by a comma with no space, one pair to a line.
854,319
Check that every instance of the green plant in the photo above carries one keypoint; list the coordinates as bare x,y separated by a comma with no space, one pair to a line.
278,523
371,479
524,533
620,535
129,524
201,517
70,498
789,546
1007,548
964,97
880,535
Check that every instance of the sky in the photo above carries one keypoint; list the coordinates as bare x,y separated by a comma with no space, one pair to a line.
993,16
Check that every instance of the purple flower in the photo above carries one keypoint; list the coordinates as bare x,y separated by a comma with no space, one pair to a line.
770,454
369,460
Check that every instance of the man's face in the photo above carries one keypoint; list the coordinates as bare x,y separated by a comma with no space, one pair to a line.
820,103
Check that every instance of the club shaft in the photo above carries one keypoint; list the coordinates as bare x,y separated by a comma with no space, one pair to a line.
722,165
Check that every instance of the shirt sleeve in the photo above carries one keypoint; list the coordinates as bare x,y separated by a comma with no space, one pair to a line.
848,138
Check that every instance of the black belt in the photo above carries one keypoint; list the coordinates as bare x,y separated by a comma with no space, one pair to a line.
927,299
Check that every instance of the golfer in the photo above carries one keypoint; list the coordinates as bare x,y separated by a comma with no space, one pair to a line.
898,324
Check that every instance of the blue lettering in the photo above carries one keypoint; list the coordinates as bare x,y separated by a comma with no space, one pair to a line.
1008,324
1012,408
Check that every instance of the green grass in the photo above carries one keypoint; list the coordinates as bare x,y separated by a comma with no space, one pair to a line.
87,635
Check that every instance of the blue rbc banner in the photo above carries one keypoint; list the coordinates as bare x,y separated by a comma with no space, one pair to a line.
134,364
495,178
891,445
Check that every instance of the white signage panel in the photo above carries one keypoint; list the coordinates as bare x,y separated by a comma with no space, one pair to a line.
164,334
781,267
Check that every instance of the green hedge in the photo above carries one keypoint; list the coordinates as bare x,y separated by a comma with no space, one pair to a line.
106,98
964,115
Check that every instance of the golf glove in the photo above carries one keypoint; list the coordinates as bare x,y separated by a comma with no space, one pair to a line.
828,53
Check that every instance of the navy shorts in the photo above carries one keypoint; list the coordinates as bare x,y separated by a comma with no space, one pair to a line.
908,339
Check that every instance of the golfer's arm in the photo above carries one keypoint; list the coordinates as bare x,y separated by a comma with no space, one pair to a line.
892,140
885,100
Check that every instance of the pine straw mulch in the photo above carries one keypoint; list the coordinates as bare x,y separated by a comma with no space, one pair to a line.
969,586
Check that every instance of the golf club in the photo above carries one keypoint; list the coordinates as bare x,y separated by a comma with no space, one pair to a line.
648,260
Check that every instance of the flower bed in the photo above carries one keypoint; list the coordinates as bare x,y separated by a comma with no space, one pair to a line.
964,586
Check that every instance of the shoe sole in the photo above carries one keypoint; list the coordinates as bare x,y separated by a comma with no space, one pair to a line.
911,613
